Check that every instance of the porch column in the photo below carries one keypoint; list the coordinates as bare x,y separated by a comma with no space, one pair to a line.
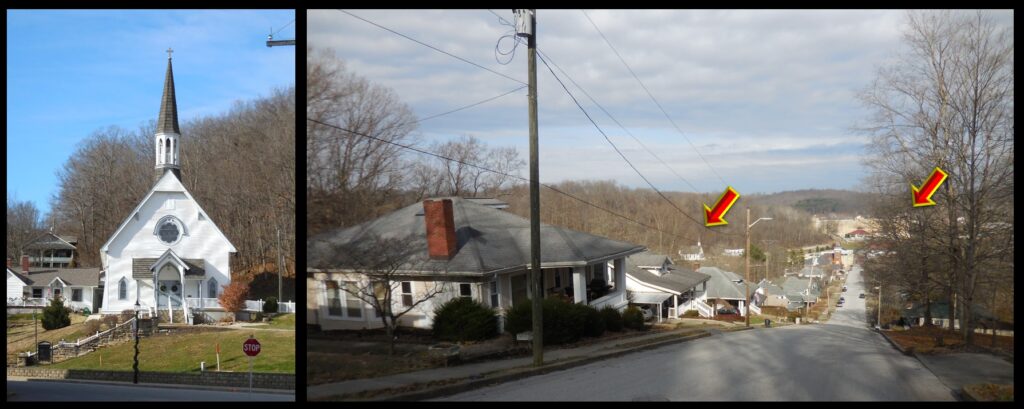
743,308
675,300
620,274
579,284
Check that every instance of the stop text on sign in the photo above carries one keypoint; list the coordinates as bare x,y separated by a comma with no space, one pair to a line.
251,347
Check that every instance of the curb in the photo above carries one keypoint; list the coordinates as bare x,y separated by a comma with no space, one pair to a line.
904,351
166,386
478,381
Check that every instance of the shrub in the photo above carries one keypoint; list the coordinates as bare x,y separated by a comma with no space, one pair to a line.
257,317
56,315
92,326
563,321
519,318
793,315
633,318
464,319
593,325
691,314
232,298
127,315
270,305
612,319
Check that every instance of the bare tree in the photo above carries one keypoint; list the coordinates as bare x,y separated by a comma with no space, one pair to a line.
23,225
948,102
378,266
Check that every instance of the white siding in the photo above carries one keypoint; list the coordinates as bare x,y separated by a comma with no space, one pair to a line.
136,240
15,287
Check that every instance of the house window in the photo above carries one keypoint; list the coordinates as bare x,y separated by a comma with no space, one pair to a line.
353,306
465,290
76,294
37,293
211,288
333,299
406,293
494,294
122,289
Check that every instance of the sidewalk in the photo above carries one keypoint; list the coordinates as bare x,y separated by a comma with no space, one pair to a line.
444,381
957,370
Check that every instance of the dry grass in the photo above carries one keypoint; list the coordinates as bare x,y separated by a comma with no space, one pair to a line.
987,392
924,340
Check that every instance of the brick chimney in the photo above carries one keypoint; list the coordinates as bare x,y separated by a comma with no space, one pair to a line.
24,264
441,244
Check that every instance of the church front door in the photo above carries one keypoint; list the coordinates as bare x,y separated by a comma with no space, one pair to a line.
169,289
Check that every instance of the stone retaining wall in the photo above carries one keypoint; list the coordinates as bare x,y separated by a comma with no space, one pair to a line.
223,379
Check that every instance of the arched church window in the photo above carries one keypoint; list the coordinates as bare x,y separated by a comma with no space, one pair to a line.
212,288
167,151
122,289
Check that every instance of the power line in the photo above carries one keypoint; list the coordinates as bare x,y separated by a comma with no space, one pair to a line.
652,98
613,143
614,213
433,48
545,56
282,28
452,111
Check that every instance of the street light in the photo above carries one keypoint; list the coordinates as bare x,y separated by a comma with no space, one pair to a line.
879,323
747,252
135,366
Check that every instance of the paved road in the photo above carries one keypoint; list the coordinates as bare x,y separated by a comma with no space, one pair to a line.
836,361
80,391
852,313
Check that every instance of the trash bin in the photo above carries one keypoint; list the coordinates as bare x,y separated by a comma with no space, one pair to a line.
767,323
44,352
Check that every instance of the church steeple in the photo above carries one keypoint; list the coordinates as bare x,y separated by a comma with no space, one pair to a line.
167,134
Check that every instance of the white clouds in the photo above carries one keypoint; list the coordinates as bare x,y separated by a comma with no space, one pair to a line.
767,88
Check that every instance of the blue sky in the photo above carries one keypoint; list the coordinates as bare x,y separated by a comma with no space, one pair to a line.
70,73
768,97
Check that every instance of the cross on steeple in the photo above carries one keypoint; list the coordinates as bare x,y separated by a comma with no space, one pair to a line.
169,51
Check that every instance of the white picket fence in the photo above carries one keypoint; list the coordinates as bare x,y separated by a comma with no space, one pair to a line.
257,306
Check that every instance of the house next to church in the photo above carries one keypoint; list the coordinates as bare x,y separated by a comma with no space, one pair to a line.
168,256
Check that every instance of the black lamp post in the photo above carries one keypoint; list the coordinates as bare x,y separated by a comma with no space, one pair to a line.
135,366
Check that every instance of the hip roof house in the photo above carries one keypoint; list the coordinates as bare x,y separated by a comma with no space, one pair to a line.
473,248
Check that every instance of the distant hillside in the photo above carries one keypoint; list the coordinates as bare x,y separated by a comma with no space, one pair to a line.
827,202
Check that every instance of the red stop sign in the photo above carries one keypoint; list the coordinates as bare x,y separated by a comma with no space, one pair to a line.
251,347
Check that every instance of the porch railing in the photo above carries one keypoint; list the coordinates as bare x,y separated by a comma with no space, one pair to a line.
202,303
755,309
615,299
27,302
703,309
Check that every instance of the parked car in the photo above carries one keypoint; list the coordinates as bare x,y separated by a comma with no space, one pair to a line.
861,295
842,299
728,311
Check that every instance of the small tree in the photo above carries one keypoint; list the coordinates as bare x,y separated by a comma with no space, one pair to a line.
377,266
270,306
232,299
56,315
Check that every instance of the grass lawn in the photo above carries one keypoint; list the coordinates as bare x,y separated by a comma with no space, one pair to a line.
182,353
922,339
987,392
285,321
22,338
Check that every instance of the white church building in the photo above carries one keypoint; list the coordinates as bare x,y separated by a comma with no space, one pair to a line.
168,255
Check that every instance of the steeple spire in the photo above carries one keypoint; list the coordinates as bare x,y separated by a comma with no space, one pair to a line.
167,133
168,121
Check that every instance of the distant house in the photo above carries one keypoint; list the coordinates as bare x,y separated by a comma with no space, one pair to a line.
654,280
732,252
857,235
474,250
692,253
914,314
801,291
78,287
725,289
51,250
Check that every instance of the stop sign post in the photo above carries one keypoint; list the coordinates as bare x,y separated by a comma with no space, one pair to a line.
252,348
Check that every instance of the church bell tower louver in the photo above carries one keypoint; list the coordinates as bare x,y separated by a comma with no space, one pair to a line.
167,133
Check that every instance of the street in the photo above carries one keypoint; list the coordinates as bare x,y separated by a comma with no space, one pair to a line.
840,360
33,390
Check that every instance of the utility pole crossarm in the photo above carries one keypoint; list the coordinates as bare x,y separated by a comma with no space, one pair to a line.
271,43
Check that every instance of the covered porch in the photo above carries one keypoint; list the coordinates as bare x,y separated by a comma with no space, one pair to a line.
598,284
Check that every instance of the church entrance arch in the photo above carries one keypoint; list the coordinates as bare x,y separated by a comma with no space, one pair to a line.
169,286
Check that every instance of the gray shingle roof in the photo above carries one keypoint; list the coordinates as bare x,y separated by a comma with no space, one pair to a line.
140,267
84,277
678,279
722,285
648,259
487,240
49,241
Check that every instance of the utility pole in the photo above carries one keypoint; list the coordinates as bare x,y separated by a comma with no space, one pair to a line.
280,266
529,26
747,280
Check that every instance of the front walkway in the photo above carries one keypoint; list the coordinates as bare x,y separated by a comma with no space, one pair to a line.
407,382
